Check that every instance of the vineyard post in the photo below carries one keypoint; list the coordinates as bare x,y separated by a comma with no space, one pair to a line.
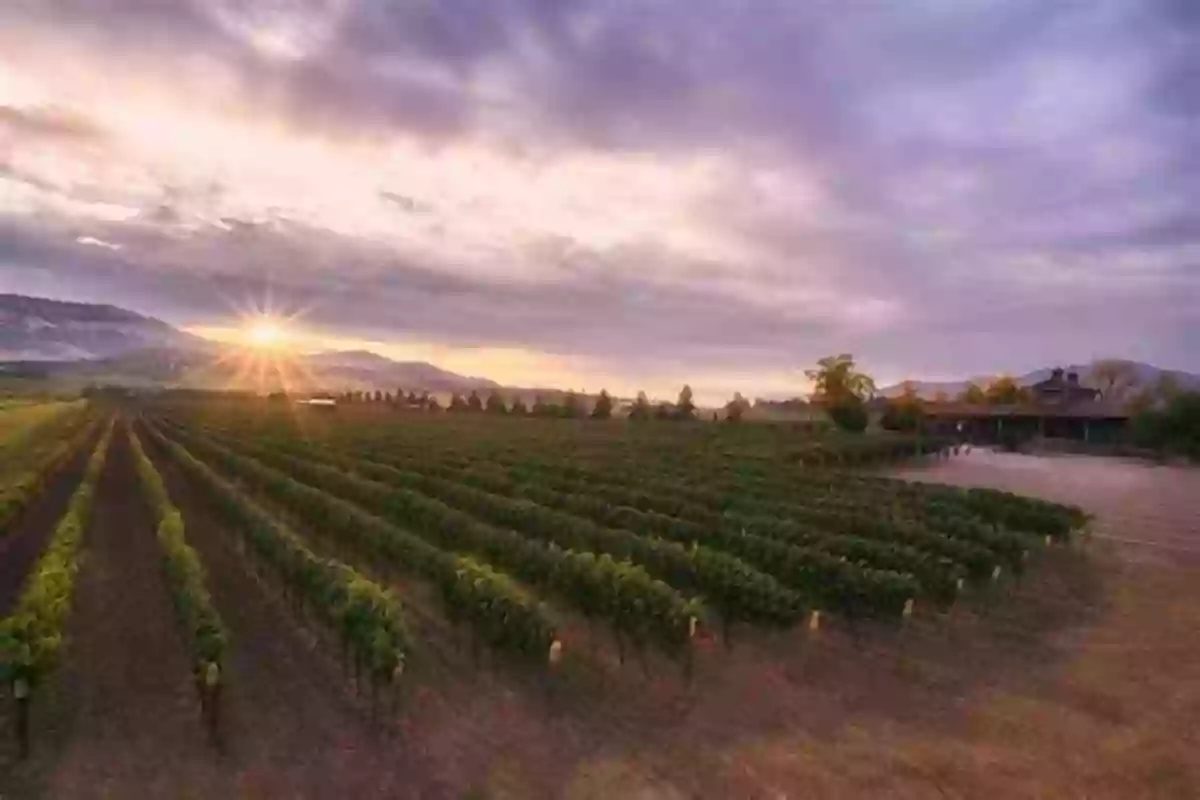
21,692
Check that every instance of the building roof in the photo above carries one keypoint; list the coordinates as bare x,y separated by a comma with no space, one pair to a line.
1087,410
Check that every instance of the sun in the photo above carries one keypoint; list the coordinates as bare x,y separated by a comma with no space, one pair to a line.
264,333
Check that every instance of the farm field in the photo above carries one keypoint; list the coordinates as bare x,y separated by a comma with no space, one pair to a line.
266,602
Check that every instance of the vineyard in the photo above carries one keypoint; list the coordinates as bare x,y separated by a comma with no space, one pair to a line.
391,551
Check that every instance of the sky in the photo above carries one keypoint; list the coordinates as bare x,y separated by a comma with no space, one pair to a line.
622,193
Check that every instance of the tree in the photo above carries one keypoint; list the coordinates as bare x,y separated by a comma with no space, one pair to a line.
1173,427
973,395
604,406
641,407
473,402
540,409
843,390
736,408
1005,391
904,413
432,404
495,404
572,408
836,379
387,398
685,408
1114,378
664,411
413,399
457,403
519,408
378,396
850,414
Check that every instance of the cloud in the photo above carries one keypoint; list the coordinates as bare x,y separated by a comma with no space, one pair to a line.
91,241
644,186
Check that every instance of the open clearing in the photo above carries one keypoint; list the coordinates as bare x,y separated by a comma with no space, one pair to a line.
1080,678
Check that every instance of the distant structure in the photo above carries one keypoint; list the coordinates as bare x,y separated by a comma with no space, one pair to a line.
1058,390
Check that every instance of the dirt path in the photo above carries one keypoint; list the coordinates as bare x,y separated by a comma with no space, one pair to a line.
25,539
289,728
123,721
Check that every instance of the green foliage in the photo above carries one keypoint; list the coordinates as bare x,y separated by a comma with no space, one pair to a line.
1006,391
203,629
849,414
836,379
495,404
572,407
457,404
903,413
640,410
600,587
685,408
519,409
1174,428
32,637
736,408
473,402
368,618
973,394
29,464
604,406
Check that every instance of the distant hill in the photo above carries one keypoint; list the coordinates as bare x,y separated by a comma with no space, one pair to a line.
81,343
1141,375
38,329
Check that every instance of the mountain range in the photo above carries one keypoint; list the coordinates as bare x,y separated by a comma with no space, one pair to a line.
1136,375
75,344
80,343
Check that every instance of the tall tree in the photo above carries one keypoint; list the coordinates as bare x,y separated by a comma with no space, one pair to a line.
572,407
736,408
836,378
495,404
457,403
685,408
973,394
604,406
1005,391
518,407
641,407
904,413
431,403
473,402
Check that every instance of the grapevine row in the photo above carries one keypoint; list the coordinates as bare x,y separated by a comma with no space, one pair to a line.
38,467
740,592
32,637
193,604
368,618
635,603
